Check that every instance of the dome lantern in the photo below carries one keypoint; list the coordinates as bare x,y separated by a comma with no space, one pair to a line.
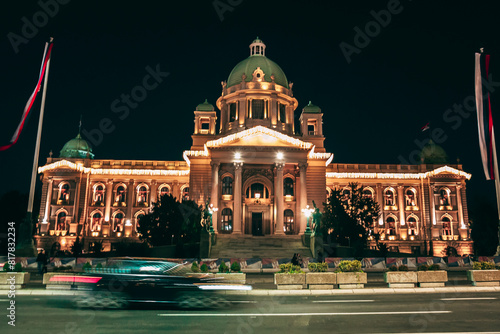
257,48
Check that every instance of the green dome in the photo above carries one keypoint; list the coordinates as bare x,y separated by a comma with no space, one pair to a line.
77,148
205,106
433,154
311,109
249,65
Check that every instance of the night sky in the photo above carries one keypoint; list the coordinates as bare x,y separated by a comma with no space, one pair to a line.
412,69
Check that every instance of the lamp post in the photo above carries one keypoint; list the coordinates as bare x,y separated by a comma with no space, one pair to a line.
307,212
211,210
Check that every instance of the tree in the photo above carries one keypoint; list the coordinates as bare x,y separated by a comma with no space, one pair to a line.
170,222
349,216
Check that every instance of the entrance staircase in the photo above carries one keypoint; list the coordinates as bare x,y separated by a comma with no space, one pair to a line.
247,246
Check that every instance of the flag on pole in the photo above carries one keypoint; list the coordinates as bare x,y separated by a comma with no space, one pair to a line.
425,127
484,117
31,100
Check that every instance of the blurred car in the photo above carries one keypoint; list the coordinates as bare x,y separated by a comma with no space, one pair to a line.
141,280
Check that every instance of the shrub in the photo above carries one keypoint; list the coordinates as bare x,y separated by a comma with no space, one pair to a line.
320,267
423,267
403,268
98,266
289,268
235,267
434,266
223,268
393,268
204,268
87,266
18,268
349,266
195,268
484,265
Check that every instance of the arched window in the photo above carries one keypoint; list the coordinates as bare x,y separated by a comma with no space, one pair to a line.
163,190
346,193
61,221
96,222
258,107
257,190
282,113
389,197
446,225
444,197
412,225
121,195
226,220
98,195
367,193
185,194
227,185
138,217
391,226
142,195
63,197
118,220
288,224
288,187
411,197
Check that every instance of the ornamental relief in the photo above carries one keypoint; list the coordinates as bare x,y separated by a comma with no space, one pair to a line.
248,173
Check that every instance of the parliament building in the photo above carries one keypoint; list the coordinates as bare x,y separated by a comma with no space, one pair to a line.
258,169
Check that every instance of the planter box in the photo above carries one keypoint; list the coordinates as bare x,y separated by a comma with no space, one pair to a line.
351,280
432,278
240,278
21,279
289,281
484,277
400,279
321,281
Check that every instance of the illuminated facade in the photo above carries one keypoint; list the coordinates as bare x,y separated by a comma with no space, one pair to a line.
257,169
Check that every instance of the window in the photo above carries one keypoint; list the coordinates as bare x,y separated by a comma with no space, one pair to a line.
227,185
410,197
389,197
96,222
412,226
61,221
98,196
164,190
367,193
444,197
282,113
288,222
288,187
118,222
232,112
63,193
142,195
185,194
258,109
311,127
120,195
391,226
227,220
346,194
257,190
205,124
446,225
138,219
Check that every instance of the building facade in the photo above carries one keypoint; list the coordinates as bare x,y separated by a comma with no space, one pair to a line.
257,169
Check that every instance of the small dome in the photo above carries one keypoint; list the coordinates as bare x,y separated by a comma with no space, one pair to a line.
205,106
77,148
433,154
257,59
311,109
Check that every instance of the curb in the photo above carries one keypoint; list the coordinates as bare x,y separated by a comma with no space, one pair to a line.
272,292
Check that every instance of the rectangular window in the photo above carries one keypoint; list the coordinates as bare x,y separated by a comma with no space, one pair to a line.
232,112
258,109
311,127
282,113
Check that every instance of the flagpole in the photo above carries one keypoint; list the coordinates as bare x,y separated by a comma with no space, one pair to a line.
29,219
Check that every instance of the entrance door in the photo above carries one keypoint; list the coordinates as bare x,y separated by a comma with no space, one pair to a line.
257,223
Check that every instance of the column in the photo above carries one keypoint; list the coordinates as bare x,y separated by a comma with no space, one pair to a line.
242,111
278,197
109,196
130,199
176,191
214,197
152,192
237,198
433,205
460,207
274,111
76,201
49,200
303,197
401,204
380,200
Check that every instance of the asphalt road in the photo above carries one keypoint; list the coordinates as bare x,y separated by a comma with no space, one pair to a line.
401,313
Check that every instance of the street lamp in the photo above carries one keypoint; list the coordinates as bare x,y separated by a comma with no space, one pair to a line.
308,212
211,210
